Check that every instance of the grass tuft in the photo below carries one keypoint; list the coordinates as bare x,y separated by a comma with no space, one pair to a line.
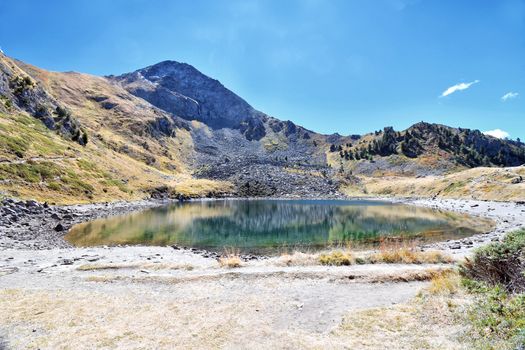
230,259
337,258
396,253
445,282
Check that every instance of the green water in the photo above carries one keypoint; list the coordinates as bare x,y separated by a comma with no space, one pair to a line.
271,226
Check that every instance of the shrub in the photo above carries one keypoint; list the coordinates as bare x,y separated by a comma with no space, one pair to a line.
499,263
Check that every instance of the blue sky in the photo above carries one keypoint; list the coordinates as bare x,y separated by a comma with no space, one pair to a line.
332,66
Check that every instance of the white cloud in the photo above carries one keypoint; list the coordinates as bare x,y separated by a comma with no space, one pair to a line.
458,87
498,133
509,96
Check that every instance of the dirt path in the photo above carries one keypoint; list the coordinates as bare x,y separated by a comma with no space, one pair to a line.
161,297
37,159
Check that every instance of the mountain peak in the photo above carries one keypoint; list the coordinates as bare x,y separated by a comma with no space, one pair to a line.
182,90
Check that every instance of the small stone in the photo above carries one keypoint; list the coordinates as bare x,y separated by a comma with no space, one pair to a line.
66,262
59,228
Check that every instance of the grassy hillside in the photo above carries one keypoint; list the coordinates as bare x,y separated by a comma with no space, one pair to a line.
37,163
482,183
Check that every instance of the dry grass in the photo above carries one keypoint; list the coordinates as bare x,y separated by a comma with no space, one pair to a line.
420,324
198,187
95,267
388,253
478,183
445,282
401,253
125,164
337,258
230,259
297,259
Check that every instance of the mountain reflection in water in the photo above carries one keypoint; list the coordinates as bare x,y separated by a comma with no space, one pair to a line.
265,226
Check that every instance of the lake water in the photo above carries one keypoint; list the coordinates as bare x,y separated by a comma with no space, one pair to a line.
274,226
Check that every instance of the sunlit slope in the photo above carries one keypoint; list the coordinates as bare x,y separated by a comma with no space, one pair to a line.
503,184
132,149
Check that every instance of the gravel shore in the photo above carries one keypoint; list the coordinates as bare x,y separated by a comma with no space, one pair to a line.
507,216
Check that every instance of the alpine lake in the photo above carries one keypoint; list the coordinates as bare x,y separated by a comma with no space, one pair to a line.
274,226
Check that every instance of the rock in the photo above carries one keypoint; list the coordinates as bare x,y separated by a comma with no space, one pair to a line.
455,246
32,203
59,228
9,211
55,216
66,262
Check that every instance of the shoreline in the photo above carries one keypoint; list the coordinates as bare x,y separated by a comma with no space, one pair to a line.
507,216
38,226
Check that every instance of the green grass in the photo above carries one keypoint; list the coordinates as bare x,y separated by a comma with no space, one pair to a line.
23,136
117,183
32,172
14,145
87,165
56,177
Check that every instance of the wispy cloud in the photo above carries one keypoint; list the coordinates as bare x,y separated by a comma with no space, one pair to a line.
498,133
458,87
509,96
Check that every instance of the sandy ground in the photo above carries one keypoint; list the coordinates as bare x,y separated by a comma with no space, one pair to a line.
162,298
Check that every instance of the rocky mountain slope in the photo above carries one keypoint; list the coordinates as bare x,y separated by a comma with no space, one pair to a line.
169,130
